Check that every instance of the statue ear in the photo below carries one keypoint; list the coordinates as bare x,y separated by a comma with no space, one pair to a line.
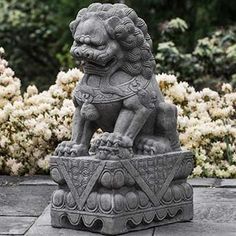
111,24
73,26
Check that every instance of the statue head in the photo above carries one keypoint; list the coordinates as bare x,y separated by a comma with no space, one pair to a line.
111,37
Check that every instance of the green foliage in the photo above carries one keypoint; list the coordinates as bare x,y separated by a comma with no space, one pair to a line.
173,27
36,36
211,63
28,31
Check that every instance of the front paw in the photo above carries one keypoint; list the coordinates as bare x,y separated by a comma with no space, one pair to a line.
71,149
112,146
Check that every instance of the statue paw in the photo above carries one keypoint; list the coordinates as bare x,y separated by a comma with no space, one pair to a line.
112,146
149,146
71,149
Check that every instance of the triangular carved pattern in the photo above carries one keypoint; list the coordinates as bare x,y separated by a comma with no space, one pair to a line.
80,172
154,171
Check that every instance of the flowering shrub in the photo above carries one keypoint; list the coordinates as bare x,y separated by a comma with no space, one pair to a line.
32,124
207,125
211,63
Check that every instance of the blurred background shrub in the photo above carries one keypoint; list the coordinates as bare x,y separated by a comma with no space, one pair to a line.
211,63
33,123
36,38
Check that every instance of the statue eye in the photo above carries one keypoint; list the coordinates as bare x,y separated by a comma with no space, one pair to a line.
101,47
77,43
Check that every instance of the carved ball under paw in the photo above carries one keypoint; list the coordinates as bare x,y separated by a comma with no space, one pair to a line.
112,146
70,149
149,146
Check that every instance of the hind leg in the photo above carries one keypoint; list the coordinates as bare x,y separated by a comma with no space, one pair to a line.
166,124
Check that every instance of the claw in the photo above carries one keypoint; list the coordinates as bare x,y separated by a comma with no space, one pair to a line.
60,153
73,154
116,145
152,152
66,150
145,152
97,142
109,143
102,143
66,154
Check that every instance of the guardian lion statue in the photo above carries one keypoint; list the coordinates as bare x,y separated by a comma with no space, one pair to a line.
118,92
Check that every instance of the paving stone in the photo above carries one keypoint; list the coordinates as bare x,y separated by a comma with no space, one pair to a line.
196,229
10,180
24,200
215,205
38,182
15,225
214,195
228,183
202,182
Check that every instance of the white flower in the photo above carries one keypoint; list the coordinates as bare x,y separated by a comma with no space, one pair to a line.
14,166
3,116
44,163
47,134
32,90
227,88
197,171
232,169
178,92
2,50
170,79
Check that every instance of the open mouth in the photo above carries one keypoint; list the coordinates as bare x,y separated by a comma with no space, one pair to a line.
105,66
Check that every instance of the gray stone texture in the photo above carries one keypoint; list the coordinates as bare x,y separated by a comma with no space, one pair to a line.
15,225
214,209
24,200
118,92
209,219
133,176
117,196
20,204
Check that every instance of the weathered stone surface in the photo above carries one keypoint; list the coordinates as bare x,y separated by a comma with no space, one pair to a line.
38,182
43,227
197,229
24,200
117,196
119,92
15,225
214,212
215,205
202,182
228,183
6,180
133,176
220,221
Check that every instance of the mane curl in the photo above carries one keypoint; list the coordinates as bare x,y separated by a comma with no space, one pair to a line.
130,31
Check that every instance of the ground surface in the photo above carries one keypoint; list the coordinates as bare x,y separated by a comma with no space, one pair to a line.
23,202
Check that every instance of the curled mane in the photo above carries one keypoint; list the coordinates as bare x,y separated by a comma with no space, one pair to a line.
130,31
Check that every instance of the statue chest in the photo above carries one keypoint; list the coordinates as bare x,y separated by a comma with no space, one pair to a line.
100,90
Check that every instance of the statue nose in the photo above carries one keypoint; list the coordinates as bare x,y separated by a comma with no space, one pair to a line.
88,54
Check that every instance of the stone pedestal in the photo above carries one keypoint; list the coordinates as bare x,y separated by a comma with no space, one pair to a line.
117,196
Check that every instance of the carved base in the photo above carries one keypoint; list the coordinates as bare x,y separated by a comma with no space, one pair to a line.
114,197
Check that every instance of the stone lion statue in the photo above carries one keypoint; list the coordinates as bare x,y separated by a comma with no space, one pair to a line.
118,92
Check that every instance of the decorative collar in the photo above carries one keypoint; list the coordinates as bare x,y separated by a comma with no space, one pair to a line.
107,94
